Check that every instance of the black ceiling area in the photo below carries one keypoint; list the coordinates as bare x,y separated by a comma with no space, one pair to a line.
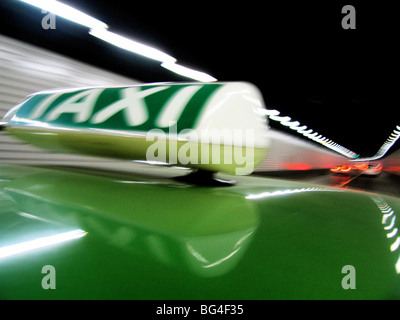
342,83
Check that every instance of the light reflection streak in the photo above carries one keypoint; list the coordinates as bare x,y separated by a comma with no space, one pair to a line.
384,207
398,266
386,216
284,192
237,247
390,226
395,245
391,231
222,260
42,242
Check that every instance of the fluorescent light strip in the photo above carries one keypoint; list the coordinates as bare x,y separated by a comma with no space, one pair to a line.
131,45
167,61
189,73
390,141
309,133
43,242
99,30
67,12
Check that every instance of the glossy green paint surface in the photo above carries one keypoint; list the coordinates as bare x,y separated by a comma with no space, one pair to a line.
145,235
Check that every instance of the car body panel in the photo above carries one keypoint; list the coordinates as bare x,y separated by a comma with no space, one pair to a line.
145,235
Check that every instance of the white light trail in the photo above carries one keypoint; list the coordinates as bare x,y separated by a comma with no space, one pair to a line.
189,73
131,45
67,12
390,141
99,30
308,133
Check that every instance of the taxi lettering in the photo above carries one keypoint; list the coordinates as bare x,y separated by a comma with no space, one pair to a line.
130,102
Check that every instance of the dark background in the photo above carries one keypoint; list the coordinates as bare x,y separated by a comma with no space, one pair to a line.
341,83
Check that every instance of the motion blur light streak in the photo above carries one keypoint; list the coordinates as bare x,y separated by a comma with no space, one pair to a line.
280,119
391,140
298,166
189,73
346,169
99,30
310,134
67,12
268,112
167,61
131,45
361,166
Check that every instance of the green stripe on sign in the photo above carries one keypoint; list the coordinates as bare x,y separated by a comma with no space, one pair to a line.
122,108
194,107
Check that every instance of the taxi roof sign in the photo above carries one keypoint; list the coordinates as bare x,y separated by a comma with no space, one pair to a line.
216,126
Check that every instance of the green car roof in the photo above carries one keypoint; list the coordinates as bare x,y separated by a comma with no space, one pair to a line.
145,235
